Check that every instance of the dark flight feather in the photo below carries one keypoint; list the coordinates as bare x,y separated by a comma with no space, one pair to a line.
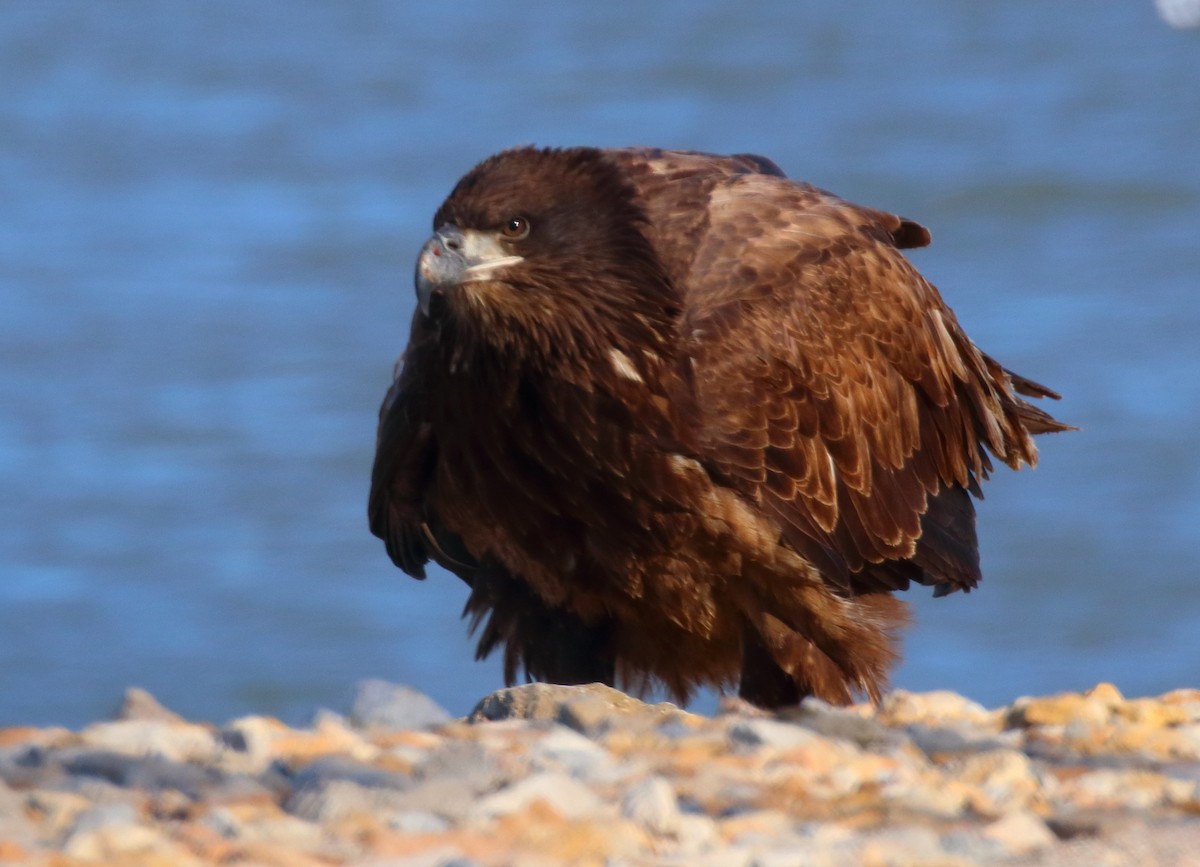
677,419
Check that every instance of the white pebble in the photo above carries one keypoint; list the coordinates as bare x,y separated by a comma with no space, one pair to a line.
567,797
653,805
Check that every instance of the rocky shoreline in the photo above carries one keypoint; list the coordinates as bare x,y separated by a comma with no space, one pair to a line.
549,775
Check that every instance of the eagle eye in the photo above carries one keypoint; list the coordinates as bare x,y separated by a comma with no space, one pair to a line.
515,228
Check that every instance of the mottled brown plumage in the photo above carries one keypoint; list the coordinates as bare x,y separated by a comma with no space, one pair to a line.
678,419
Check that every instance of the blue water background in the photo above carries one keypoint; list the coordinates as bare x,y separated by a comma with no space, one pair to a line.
208,217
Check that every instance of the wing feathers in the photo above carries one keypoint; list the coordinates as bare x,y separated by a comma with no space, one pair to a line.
835,385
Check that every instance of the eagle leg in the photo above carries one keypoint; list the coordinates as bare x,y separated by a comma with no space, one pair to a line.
763,683
550,644
572,652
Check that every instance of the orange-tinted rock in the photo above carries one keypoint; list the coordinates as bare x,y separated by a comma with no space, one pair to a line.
1061,709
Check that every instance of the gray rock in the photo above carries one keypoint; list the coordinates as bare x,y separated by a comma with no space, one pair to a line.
652,804
15,826
382,705
98,791
336,768
967,844
332,800
109,843
1020,833
234,737
107,765
924,800
902,845
438,856
721,856
567,797
179,741
760,828
755,733
327,801
949,740
246,743
158,774
28,765
1113,788
141,705
323,716
444,797
417,822
104,816
590,709
532,701
223,822
837,722
465,762
939,707
148,773
696,833
796,856
567,750
227,788
1007,779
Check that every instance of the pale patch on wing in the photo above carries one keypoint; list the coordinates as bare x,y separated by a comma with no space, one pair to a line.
664,162
947,342
725,511
684,466
623,366
809,214
827,495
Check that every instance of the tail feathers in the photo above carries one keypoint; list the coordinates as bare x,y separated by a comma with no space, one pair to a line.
1035,419
1029,388
1038,421
835,648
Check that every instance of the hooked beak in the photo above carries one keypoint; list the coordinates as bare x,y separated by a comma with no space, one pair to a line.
454,256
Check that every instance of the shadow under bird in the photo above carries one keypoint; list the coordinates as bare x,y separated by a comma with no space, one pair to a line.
679,420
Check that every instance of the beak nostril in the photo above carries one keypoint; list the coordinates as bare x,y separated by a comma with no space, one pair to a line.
448,239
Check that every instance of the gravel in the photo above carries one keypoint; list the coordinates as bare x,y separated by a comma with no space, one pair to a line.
547,774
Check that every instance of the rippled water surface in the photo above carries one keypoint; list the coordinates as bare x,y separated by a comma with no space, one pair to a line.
208,216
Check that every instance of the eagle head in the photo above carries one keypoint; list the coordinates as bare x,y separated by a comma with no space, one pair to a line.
544,247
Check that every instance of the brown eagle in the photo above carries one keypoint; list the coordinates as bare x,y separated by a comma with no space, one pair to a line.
678,419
